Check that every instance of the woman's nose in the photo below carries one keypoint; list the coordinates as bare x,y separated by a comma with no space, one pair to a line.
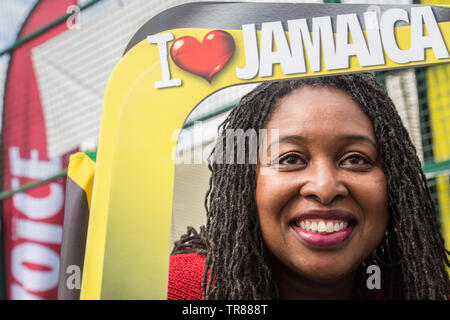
323,183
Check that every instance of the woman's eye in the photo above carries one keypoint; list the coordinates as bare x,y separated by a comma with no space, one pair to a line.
290,160
357,161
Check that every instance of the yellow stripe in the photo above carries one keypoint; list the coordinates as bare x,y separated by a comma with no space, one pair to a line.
438,94
96,235
81,170
442,3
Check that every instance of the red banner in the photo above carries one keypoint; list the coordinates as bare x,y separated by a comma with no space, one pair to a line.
32,220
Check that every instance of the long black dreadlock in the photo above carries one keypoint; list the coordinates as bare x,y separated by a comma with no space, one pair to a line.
411,255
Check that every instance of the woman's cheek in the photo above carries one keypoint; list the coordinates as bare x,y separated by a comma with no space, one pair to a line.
273,192
372,197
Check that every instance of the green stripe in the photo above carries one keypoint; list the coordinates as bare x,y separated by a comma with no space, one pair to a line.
437,167
92,155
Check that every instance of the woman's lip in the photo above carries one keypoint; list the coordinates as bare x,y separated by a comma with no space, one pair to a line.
324,240
325,215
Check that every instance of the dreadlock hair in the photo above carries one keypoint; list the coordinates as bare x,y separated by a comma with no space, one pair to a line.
412,256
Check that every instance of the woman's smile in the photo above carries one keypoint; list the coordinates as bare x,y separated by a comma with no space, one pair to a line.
324,228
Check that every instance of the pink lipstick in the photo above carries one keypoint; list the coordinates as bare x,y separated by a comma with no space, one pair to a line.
323,240
324,228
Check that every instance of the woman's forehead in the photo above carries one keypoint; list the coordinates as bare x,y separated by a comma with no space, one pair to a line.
310,109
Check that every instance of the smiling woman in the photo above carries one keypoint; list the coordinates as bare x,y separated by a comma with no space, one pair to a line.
322,200
339,188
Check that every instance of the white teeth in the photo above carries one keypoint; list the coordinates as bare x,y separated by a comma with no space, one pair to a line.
330,226
321,226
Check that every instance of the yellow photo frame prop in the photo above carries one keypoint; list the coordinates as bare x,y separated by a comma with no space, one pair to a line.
127,251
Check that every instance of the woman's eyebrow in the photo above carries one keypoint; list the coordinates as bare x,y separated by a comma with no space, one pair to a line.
291,138
359,138
296,139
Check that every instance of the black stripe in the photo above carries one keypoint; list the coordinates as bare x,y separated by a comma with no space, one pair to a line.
76,220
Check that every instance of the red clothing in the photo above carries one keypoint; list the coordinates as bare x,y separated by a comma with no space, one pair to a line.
185,277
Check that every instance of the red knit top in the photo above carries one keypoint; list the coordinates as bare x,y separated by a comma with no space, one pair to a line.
185,277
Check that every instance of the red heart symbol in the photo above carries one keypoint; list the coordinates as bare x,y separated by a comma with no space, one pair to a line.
204,59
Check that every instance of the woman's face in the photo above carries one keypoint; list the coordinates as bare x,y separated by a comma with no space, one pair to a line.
321,193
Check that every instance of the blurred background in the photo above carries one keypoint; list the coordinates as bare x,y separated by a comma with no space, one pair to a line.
55,60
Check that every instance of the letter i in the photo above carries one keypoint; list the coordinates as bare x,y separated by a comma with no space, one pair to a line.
161,40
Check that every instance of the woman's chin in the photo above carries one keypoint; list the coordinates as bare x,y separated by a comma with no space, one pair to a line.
325,271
